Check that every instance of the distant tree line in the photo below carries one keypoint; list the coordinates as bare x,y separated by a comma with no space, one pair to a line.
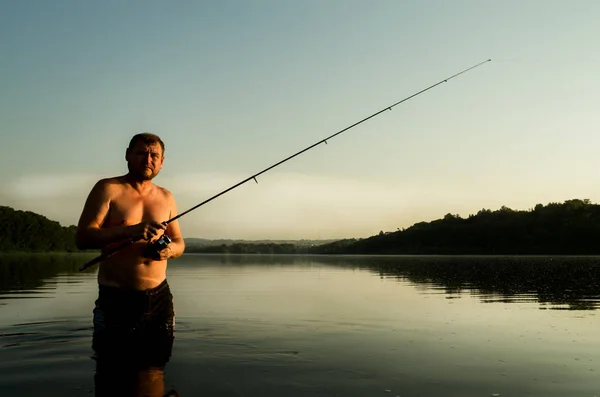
247,248
30,232
572,227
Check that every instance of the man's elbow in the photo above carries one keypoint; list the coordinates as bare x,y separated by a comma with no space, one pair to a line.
81,240
181,249
80,243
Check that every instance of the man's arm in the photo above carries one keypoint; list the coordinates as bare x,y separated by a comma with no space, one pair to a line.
90,233
177,245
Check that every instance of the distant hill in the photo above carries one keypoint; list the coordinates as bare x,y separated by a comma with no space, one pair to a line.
28,231
569,228
201,242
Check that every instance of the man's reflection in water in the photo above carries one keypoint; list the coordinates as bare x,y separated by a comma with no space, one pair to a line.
133,341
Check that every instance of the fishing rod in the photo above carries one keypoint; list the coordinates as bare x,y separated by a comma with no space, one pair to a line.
164,240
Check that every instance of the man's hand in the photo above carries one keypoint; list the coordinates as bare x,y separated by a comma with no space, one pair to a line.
146,230
161,255
164,254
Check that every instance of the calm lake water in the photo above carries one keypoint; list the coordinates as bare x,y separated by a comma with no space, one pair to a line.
323,326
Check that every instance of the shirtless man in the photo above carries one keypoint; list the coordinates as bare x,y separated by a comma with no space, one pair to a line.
132,207
134,296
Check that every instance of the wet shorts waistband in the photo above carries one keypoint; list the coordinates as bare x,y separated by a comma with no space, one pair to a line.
118,290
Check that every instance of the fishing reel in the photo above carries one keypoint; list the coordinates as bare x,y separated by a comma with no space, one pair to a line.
154,247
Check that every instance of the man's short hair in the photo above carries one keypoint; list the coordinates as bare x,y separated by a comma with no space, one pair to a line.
147,138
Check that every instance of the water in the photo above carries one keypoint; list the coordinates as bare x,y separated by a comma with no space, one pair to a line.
323,326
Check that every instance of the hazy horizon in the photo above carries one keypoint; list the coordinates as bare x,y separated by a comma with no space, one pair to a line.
345,237
233,87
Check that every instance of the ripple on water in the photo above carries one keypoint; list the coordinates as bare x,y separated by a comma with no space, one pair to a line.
38,355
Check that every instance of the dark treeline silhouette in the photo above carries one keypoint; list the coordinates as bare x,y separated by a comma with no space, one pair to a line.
31,232
572,227
247,248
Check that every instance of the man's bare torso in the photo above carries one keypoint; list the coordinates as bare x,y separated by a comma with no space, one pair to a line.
128,268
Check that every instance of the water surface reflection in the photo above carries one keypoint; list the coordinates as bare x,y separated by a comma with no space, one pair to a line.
132,365
315,325
555,282
30,272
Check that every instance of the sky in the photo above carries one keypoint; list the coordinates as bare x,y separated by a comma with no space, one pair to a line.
233,87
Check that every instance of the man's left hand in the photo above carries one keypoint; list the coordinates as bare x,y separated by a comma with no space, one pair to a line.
164,254
161,255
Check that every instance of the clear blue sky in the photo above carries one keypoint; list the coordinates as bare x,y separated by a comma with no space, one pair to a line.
235,86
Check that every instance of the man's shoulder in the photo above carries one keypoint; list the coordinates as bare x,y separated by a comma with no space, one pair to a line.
109,183
165,192
112,180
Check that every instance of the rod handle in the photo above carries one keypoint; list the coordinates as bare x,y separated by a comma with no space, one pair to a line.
105,255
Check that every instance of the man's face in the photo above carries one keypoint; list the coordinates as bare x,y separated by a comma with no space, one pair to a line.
144,161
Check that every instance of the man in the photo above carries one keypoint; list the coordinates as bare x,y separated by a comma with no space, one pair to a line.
133,315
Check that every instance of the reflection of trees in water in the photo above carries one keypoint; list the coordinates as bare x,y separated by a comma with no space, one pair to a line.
556,281
569,281
247,260
29,271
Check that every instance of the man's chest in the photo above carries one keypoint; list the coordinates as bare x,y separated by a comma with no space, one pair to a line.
132,210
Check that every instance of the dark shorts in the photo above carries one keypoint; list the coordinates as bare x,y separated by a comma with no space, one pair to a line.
134,328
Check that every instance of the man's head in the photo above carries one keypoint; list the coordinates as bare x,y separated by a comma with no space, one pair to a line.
145,156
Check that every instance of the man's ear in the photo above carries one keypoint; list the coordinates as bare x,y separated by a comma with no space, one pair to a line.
127,151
